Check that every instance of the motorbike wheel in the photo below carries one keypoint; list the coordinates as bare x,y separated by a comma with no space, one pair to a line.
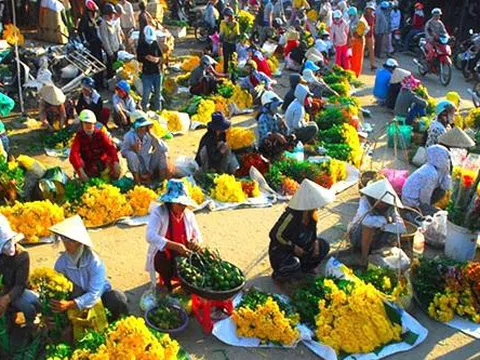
201,33
457,60
476,97
466,71
445,74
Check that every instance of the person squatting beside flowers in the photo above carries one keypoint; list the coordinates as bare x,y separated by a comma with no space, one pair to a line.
123,104
294,246
86,270
204,79
14,269
93,151
146,154
213,153
172,231
295,116
90,99
256,81
445,112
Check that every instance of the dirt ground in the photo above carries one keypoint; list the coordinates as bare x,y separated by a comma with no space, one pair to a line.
242,238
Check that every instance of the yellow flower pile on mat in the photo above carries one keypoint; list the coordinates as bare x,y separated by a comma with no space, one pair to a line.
351,139
101,205
355,322
273,64
173,120
194,191
190,63
443,306
33,219
140,198
228,189
337,170
242,98
267,322
204,111
50,284
239,138
131,339
221,104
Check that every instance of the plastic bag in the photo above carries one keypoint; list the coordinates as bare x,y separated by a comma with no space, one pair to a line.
420,157
393,258
149,299
185,166
94,318
6,104
435,228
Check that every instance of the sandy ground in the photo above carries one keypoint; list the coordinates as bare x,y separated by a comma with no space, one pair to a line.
242,238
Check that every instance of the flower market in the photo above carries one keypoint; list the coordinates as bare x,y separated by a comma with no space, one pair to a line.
214,179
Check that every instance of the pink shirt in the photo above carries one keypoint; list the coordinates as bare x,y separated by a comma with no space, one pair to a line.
339,33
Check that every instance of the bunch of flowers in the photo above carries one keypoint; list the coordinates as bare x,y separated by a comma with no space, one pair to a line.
205,110
170,86
266,317
250,188
316,106
239,138
246,21
242,98
472,120
273,64
289,186
190,63
195,192
12,35
182,80
351,139
337,169
422,91
140,198
100,205
221,104
252,159
225,89
228,189
12,180
173,120
33,219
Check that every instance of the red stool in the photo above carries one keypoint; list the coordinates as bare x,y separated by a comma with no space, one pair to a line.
202,308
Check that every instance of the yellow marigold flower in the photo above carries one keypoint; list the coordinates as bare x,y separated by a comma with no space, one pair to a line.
228,189
239,138
140,198
190,63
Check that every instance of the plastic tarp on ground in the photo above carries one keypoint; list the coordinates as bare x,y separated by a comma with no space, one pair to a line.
465,326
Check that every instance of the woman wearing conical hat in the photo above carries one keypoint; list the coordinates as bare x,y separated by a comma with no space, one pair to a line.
53,114
294,245
376,218
86,270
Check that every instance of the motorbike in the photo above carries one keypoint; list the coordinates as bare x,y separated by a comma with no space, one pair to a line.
413,46
441,63
468,59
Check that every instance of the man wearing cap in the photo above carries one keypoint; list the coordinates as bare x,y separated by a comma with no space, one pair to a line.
377,218
52,107
123,104
445,111
295,116
14,268
229,35
93,154
146,154
150,55
172,231
214,154
90,99
382,80
204,79
86,270
418,22
294,246
256,81
110,34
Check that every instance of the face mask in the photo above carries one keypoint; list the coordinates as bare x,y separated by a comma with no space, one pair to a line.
89,132
9,248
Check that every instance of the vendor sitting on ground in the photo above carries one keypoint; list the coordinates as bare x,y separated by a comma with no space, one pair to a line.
93,154
456,138
204,79
271,129
382,80
256,81
172,231
53,114
294,79
316,84
14,268
214,154
123,105
295,116
146,154
294,246
445,111
395,86
86,270
428,184
90,99
376,218
409,105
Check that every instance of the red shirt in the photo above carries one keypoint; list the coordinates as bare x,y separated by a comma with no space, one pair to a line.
176,230
371,23
89,151
418,21
262,66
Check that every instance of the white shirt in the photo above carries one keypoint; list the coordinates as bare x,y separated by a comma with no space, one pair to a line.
127,20
371,220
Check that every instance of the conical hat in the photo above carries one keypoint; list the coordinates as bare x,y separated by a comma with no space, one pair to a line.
382,190
456,138
398,75
311,196
74,229
52,95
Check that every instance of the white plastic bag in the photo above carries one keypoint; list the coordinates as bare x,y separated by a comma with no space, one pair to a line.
185,166
435,228
420,157
393,258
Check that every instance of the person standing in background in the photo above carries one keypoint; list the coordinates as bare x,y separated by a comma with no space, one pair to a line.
358,29
369,37
110,34
339,34
229,35
418,23
127,19
395,20
382,29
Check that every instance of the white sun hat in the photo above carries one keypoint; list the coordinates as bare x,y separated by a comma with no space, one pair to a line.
456,138
311,196
52,95
6,232
74,229
382,190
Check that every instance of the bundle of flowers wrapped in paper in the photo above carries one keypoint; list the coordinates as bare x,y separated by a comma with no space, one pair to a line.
140,198
204,111
227,189
100,205
240,138
33,219
349,316
266,317
190,63
447,288
173,120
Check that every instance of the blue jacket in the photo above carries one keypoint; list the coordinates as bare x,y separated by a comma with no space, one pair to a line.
382,82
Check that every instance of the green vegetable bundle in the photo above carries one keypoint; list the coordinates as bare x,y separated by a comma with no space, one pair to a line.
329,117
74,189
225,91
338,151
332,135
61,137
297,170
255,297
382,278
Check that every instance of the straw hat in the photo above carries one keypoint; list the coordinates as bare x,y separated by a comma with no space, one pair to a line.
52,95
6,233
74,229
311,196
456,138
382,190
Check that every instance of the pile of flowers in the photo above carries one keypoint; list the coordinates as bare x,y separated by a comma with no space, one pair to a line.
422,91
100,205
173,120
190,63
139,199
289,186
273,64
240,138
204,111
195,192
250,188
12,180
246,21
447,288
33,218
472,120
266,317
242,98
228,189
221,104
252,159
13,34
